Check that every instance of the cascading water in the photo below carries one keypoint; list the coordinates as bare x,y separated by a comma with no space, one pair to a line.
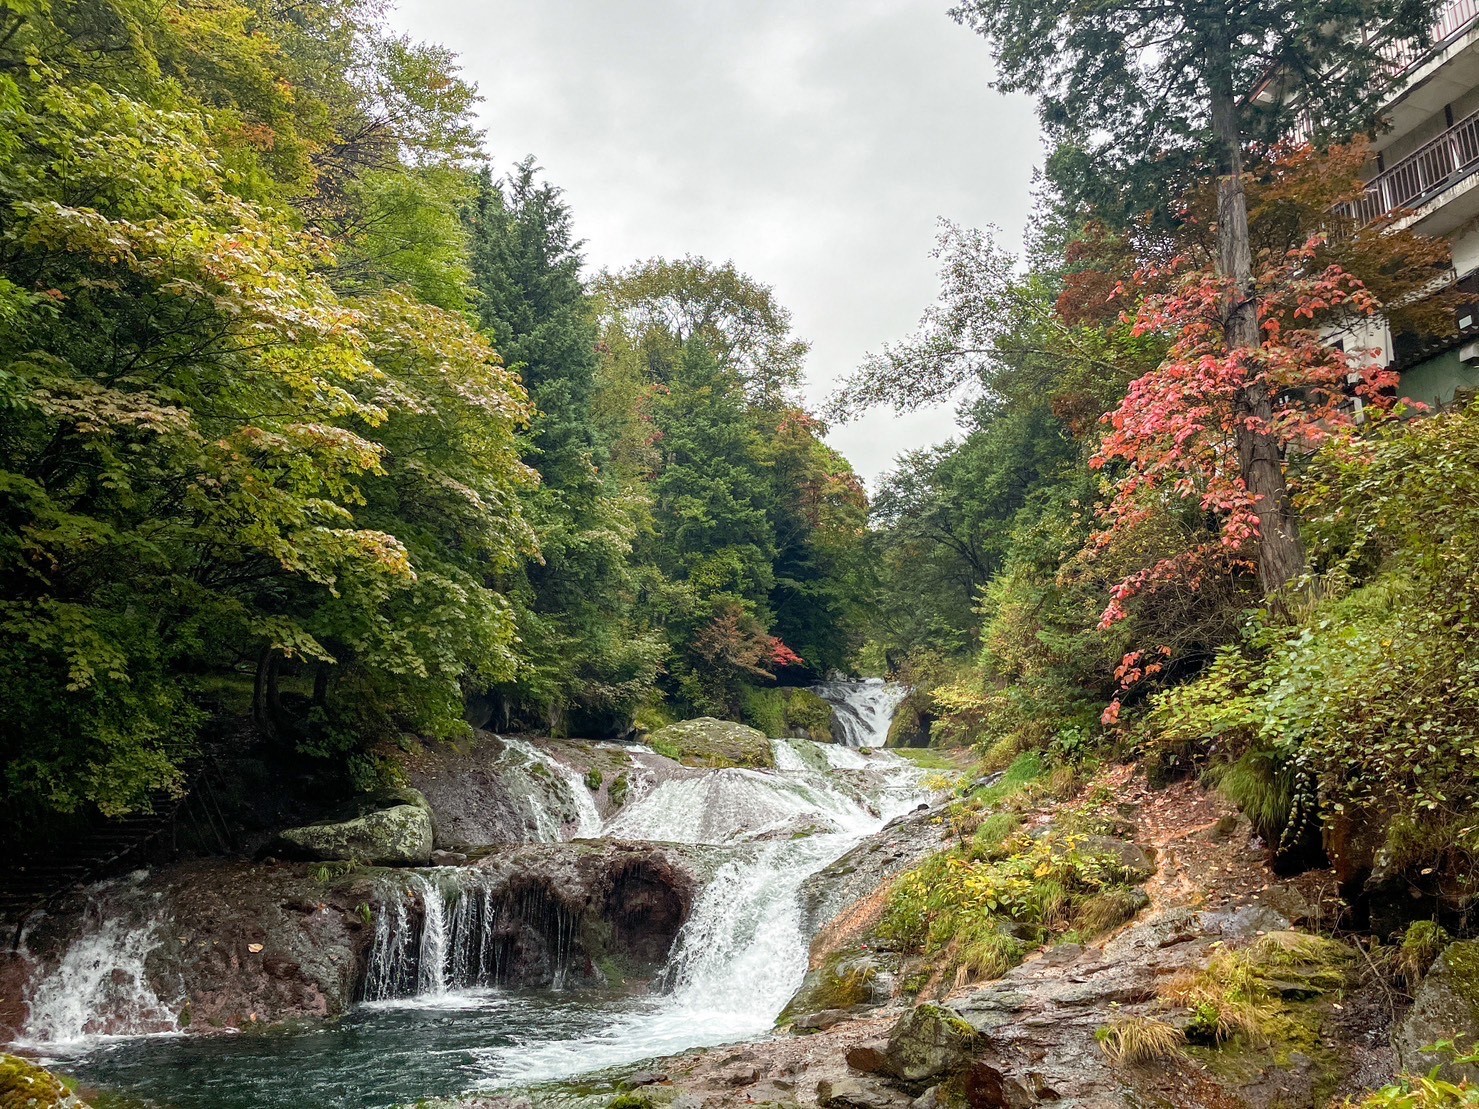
449,932
744,950
102,988
436,986
559,803
862,710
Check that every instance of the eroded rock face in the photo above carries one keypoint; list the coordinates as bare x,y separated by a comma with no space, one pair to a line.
1446,1007
716,743
215,945
398,834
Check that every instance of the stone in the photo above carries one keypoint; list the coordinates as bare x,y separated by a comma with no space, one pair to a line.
1130,859
717,743
853,1093
822,1020
1446,1007
869,1058
645,1078
986,1087
1244,923
929,1042
400,835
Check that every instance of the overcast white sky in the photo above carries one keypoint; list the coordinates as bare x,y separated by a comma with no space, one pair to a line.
814,142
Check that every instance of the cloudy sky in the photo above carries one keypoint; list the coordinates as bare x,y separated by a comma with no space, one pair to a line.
814,142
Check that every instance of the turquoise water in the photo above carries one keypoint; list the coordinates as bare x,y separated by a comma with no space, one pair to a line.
376,1057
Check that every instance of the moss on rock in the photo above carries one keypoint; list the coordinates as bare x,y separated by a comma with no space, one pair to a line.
808,716
713,743
843,981
24,1085
393,829
1445,1008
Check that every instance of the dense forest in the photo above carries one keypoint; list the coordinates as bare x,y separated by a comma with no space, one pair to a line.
311,417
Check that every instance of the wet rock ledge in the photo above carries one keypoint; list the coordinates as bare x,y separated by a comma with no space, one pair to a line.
233,945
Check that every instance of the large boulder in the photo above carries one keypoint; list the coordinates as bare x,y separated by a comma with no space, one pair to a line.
713,743
807,716
929,1042
1446,1008
392,829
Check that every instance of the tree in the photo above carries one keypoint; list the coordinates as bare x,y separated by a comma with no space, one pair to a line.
582,667
1175,437
735,316
1157,94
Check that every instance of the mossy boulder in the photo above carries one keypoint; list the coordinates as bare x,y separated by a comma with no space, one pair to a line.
1446,1007
388,829
714,743
808,716
846,980
929,1042
24,1085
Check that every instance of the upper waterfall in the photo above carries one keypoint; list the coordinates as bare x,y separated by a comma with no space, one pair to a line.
862,708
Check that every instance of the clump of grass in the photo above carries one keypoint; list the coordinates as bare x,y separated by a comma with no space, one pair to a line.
1421,945
1109,909
985,902
1244,993
1130,1040
990,955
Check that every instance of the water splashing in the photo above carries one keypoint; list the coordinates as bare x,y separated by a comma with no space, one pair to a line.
862,710
560,805
102,987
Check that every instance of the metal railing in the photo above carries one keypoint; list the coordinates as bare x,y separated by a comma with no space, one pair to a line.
1423,174
1453,21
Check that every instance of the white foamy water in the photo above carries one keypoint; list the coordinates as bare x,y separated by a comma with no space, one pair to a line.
862,710
559,803
101,988
744,950
736,962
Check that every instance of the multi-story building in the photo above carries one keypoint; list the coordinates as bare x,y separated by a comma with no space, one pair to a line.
1426,164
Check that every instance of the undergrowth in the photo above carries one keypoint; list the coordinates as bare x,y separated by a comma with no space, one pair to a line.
1251,993
982,904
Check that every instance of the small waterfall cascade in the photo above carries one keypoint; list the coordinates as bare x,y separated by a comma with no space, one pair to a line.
560,804
862,709
743,951
454,930
456,953
102,986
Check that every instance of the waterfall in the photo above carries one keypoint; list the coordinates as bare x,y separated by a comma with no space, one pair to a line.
733,805
862,710
743,951
442,934
560,805
101,987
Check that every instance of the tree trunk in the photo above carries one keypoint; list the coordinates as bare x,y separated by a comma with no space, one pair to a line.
1280,548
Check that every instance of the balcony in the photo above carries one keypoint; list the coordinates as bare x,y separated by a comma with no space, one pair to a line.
1426,173
1402,58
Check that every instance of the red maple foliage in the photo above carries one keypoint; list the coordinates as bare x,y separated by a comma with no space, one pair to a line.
781,655
1175,432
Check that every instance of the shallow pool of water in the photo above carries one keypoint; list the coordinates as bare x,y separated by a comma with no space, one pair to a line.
377,1056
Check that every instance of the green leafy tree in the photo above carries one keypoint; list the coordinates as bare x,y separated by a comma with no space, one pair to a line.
583,669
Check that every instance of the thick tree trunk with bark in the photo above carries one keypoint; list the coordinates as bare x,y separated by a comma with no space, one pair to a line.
1260,463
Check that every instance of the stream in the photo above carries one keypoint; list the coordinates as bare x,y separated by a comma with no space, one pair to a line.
432,1026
